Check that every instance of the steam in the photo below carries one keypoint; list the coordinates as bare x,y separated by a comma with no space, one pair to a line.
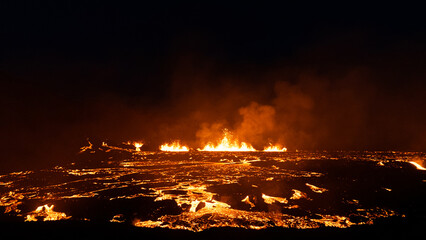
256,126
258,123
309,110
210,133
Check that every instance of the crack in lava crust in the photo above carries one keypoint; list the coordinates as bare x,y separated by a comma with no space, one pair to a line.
200,190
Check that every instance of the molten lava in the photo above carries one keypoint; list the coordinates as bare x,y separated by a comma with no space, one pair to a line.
196,191
174,147
138,146
417,165
46,213
228,144
274,148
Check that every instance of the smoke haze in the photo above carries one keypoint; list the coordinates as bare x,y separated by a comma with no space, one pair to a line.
307,84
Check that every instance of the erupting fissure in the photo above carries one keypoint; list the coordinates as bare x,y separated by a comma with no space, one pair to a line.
138,146
229,144
274,148
173,147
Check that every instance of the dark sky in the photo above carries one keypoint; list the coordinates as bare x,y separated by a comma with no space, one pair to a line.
346,77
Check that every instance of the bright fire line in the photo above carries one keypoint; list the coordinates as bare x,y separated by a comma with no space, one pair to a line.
228,144
173,147
274,148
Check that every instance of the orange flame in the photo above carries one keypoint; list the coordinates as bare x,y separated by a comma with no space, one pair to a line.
174,147
274,148
46,213
228,144
138,146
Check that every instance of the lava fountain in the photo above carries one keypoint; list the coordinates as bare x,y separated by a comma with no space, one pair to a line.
228,144
274,148
173,147
138,146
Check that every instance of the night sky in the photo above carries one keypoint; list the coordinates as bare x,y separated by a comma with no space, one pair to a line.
311,77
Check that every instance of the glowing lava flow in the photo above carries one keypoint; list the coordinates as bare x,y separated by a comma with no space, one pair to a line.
174,147
227,144
275,148
418,166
